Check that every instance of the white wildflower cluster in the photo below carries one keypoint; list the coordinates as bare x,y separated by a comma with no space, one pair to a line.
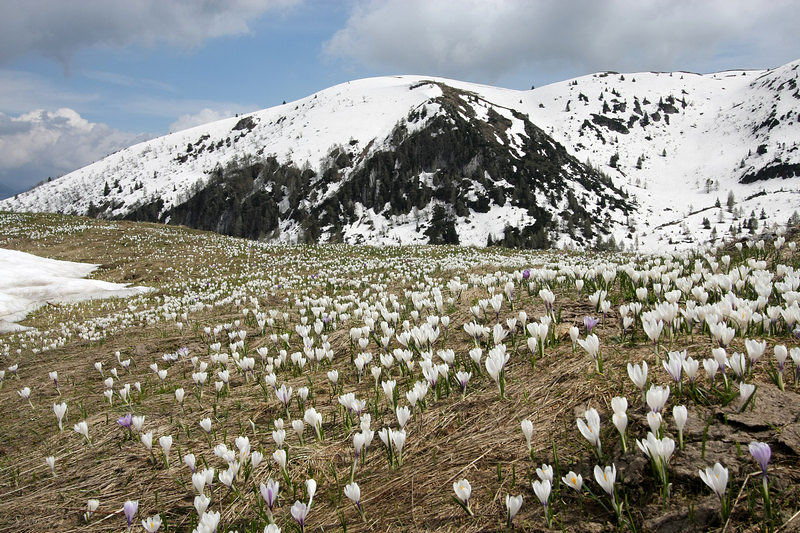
251,361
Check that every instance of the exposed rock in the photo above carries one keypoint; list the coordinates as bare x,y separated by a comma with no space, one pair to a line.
790,437
632,468
770,408
593,527
704,515
685,463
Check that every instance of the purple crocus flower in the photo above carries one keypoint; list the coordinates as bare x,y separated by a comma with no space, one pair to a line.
761,452
526,274
125,421
270,493
590,323
130,509
284,395
300,512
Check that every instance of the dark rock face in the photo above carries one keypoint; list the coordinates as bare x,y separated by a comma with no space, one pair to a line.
779,170
234,202
462,163
613,124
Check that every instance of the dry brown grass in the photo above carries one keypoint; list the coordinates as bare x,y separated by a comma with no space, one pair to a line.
452,438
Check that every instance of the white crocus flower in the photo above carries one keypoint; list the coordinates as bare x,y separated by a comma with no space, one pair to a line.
573,480
82,428
165,442
151,524
590,429
60,409
527,431
638,374
463,491
717,479
513,505
657,397
545,473
681,415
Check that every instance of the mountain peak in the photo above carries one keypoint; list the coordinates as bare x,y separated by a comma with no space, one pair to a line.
633,156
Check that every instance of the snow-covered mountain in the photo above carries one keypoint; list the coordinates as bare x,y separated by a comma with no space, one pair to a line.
648,158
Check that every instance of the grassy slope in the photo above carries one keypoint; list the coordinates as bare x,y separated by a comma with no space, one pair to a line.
477,437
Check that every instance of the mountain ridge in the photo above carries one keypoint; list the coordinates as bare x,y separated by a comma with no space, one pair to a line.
650,140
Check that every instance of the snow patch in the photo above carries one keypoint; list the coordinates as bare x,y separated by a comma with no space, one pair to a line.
27,282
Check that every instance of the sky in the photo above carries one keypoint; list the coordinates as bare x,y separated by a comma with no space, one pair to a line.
81,79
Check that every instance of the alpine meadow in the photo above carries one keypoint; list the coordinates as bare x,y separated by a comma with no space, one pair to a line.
403,302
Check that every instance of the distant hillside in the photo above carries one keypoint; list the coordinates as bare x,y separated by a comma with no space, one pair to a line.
650,159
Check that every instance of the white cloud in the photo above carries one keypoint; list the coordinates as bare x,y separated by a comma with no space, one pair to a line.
58,28
204,116
40,143
488,39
